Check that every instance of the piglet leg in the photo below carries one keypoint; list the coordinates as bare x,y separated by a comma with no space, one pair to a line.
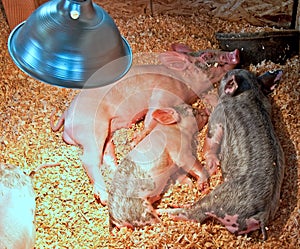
91,162
199,173
92,159
211,148
176,214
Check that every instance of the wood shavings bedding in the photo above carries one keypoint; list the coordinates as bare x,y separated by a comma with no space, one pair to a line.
67,215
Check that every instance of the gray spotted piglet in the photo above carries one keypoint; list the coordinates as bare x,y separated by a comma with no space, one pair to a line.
141,178
242,140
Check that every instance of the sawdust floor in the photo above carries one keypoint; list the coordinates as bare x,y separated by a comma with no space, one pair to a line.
67,215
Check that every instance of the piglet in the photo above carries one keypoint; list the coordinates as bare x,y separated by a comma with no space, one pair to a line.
17,208
95,114
141,178
242,140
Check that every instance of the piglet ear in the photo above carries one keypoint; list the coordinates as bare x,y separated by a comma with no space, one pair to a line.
181,48
269,80
166,116
174,60
231,86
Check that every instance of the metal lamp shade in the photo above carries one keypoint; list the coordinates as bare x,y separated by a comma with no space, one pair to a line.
65,42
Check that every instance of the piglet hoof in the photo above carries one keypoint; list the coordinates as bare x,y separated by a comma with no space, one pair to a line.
203,119
100,195
153,199
203,186
183,179
212,163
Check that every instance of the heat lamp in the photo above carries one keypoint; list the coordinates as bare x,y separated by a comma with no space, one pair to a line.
69,42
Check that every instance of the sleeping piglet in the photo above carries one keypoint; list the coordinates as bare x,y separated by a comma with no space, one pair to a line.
17,208
141,178
95,114
242,140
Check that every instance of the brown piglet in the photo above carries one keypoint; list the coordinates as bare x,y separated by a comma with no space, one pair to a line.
143,175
